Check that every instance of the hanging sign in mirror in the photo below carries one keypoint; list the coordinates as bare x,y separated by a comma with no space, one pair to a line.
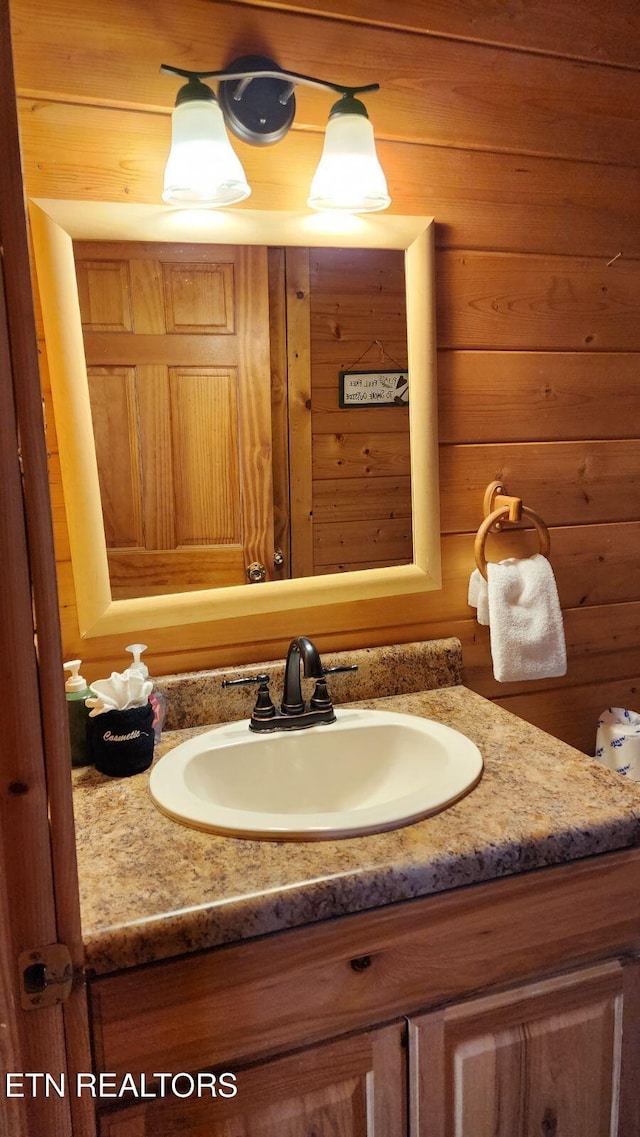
374,388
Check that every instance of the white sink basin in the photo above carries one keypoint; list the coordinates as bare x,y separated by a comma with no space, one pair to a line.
366,772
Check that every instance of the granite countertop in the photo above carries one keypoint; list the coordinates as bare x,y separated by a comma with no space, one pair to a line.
152,888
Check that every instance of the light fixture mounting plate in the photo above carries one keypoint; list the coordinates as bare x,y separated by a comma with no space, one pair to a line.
254,109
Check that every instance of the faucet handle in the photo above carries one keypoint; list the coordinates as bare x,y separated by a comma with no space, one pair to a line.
321,699
246,680
264,708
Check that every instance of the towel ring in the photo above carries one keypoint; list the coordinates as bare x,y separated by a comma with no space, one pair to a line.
483,531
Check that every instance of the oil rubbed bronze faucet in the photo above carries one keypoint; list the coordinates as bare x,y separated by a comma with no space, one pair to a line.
303,650
294,713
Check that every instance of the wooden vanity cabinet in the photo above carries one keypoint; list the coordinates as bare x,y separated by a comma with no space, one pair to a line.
544,1058
509,1009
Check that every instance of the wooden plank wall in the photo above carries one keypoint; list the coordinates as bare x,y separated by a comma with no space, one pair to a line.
361,485
517,127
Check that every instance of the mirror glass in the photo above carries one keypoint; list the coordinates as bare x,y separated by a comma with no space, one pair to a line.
313,287
220,378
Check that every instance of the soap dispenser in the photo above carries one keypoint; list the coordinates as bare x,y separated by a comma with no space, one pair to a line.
76,691
156,698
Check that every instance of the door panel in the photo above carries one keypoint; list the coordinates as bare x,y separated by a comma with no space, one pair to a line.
350,1088
177,346
541,1059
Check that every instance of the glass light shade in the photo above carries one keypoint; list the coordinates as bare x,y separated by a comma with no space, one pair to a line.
202,168
349,176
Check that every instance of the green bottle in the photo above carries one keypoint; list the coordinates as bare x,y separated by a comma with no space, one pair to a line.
76,691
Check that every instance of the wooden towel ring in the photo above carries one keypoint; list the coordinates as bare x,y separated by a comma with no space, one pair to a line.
483,531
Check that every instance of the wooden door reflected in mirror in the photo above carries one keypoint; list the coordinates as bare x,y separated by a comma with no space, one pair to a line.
177,348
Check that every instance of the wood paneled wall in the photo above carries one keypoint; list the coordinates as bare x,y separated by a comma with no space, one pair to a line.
361,485
517,127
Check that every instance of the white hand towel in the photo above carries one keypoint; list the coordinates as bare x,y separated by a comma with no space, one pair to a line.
525,621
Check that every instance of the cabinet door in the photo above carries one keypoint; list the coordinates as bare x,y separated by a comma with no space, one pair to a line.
350,1088
542,1060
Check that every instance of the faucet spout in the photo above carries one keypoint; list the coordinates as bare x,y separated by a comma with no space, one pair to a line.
301,650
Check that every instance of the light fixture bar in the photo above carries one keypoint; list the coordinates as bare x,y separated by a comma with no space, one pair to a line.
266,73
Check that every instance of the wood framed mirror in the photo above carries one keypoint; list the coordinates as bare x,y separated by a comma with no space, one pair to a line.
55,225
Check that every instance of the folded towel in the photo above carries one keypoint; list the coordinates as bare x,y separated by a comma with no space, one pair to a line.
525,621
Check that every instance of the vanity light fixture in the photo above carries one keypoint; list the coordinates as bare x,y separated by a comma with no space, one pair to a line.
256,101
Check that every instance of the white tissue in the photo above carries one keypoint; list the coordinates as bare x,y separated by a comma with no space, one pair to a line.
120,692
618,741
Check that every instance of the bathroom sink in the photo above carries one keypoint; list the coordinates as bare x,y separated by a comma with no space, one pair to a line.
366,772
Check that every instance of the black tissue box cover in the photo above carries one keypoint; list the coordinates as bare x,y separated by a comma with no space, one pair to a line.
120,743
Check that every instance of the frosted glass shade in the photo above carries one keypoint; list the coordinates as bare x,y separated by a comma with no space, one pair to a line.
202,168
349,176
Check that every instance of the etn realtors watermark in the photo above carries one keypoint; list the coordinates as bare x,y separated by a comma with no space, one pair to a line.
105,1085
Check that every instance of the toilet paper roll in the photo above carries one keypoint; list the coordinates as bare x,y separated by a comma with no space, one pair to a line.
618,741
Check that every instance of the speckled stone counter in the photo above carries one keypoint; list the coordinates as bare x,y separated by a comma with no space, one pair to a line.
152,888
199,699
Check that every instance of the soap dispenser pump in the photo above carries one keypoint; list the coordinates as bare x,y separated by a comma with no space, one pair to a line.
76,691
156,698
